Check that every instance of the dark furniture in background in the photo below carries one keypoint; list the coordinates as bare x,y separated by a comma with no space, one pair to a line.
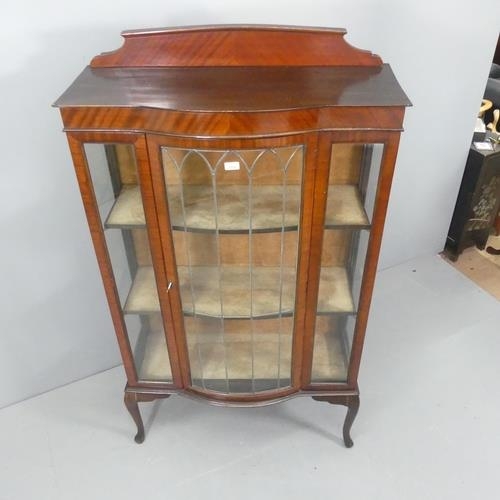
495,73
496,55
235,180
477,203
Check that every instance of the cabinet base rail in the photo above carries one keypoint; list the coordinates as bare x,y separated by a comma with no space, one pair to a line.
133,397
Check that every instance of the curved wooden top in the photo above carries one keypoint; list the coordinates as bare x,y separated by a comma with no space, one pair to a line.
235,89
235,45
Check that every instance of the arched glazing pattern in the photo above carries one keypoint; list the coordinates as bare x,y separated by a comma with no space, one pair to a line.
235,218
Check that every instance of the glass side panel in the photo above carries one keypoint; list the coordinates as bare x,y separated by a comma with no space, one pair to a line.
114,177
235,217
353,177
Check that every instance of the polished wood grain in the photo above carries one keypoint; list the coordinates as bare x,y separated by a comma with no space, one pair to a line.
218,399
77,140
317,216
232,125
311,142
391,143
237,87
76,144
227,89
236,45
158,259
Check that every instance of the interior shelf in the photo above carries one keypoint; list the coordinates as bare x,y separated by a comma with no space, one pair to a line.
143,295
273,207
344,208
127,211
227,291
271,353
231,286
335,294
153,361
330,361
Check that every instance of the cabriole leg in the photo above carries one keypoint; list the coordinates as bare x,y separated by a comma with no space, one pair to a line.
352,403
352,411
130,400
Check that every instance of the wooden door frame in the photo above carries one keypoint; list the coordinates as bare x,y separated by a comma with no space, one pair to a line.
77,141
390,141
309,141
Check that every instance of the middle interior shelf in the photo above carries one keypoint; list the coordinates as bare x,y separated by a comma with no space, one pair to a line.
233,292
273,208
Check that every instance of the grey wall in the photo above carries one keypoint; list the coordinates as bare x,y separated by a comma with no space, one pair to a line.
54,325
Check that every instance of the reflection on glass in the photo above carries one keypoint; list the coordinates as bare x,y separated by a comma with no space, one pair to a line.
114,176
354,170
235,218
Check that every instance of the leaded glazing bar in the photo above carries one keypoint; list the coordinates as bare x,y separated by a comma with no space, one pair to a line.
235,216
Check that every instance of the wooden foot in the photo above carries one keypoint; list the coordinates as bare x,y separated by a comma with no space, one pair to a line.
131,400
352,403
493,250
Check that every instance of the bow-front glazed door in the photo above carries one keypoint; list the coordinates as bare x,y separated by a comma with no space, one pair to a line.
235,246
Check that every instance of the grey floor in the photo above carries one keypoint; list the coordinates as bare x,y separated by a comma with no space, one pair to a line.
428,427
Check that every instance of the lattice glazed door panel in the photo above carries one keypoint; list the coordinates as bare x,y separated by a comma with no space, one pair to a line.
235,219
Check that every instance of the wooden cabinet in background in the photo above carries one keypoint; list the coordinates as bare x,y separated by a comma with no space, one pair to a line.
477,203
235,181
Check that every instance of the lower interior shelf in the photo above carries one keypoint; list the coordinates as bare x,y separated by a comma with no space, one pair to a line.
152,360
270,291
238,358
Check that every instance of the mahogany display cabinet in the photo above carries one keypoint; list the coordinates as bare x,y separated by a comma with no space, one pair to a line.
235,180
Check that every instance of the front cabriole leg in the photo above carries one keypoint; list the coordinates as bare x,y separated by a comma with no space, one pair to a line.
352,411
352,403
131,400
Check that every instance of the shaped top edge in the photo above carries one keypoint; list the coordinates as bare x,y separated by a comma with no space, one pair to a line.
235,45
229,27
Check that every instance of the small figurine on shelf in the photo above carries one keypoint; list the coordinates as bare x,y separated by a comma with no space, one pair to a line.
480,127
485,106
492,126
492,133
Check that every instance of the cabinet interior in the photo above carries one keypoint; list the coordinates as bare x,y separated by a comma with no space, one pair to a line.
236,255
